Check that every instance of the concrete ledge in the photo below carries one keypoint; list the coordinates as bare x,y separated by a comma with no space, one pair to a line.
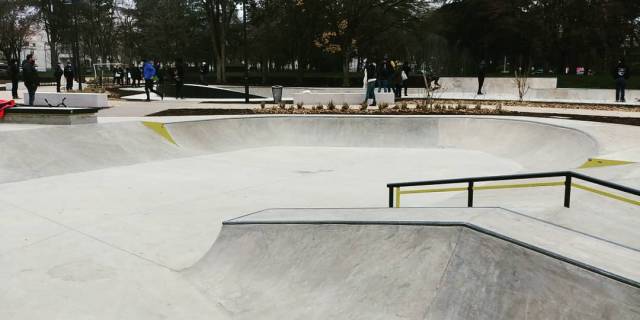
78,100
50,116
339,98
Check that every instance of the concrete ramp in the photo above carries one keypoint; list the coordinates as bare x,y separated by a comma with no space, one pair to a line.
354,270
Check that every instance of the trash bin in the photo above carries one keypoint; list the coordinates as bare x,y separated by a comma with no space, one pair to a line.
277,93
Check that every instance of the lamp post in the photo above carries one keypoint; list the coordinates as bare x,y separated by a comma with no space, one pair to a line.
246,63
76,45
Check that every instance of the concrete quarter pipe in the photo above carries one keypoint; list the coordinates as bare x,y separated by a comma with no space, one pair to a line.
368,271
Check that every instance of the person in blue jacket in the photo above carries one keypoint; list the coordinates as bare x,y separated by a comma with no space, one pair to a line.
149,73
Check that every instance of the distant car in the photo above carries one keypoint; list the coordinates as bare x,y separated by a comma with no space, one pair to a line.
4,71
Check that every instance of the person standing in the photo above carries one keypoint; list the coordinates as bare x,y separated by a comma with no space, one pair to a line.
68,76
482,73
178,77
406,70
621,74
396,80
159,79
14,74
30,77
384,75
370,82
149,73
204,70
57,74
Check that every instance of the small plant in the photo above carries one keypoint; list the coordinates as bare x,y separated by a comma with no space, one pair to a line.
331,106
345,107
478,107
263,104
404,106
499,107
299,105
282,105
395,107
319,107
383,106
364,106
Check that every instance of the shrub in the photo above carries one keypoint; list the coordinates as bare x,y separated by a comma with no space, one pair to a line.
404,106
282,105
320,107
345,107
364,106
300,105
263,105
383,106
331,106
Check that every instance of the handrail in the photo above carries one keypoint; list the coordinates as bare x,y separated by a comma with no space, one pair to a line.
568,177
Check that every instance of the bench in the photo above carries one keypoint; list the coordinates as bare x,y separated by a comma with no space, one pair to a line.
309,98
52,116
77,100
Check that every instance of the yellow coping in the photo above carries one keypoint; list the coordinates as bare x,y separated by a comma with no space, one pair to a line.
606,194
160,129
595,163
514,186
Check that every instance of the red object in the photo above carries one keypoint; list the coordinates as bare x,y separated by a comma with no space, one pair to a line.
4,105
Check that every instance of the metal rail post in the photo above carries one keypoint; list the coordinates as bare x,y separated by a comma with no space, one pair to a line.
390,197
567,191
470,193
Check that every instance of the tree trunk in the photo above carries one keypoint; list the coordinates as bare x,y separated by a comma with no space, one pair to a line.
346,81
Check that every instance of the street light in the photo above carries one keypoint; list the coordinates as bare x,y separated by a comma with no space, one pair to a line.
76,45
246,63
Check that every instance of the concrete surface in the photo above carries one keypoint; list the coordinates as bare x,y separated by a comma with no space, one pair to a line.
397,272
108,214
73,100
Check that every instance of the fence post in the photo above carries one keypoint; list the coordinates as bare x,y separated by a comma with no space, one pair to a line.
390,197
567,191
470,194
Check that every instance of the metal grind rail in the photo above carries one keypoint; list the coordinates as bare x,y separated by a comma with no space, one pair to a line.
395,189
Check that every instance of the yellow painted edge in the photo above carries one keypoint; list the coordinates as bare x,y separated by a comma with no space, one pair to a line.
432,190
606,194
596,163
160,129
524,185
398,197
503,186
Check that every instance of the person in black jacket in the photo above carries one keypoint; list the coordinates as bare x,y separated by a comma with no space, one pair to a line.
178,77
14,74
68,76
57,74
370,84
482,73
621,74
385,73
30,77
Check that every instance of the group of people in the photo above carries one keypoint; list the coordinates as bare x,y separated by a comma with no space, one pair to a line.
129,75
388,75
29,77
154,76
68,72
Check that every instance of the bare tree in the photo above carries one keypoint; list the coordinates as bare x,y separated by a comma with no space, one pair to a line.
17,22
521,80
220,13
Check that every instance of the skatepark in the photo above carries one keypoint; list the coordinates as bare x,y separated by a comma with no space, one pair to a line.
271,217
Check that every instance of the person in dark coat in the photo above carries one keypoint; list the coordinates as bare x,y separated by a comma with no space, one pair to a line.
385,72
178,77
14,74
57,74
68,76
482,73
204,70
621,73
30,77
159,79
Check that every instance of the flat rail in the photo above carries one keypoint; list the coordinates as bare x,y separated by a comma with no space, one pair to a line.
569,178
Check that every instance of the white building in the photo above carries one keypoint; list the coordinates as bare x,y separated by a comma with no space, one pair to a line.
38,44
